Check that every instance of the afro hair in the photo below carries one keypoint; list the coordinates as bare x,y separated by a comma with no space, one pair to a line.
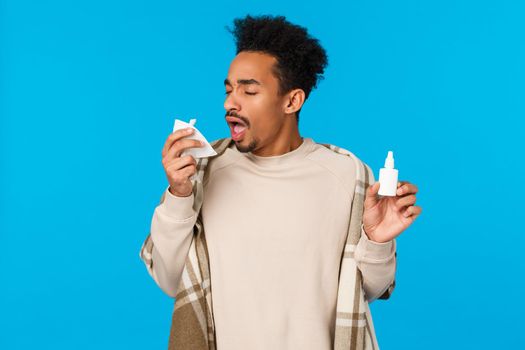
300,58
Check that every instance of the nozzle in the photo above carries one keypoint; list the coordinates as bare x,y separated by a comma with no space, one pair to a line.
389,161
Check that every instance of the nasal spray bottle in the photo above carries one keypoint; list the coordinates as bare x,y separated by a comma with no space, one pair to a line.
388,177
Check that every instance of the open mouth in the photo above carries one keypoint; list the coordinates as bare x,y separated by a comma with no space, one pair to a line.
237,127
237,130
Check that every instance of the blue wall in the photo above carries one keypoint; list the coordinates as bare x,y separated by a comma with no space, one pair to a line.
89,92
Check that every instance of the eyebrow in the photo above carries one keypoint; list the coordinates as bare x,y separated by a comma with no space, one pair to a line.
243,82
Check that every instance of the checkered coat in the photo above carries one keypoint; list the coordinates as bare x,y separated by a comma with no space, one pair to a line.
192,325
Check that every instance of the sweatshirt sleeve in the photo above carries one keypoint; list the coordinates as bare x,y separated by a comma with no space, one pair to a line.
166,248
377,263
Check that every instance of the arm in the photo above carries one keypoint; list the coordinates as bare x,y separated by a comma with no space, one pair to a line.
377,263
165,249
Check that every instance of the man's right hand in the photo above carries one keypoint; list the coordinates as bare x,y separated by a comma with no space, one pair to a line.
179,169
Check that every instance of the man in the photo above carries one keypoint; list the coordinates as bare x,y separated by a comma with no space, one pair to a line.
275,209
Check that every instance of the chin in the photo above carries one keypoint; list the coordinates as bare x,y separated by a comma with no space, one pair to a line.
243,148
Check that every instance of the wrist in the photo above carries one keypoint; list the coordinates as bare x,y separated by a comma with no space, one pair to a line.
374,252
177,207
176,194
370,234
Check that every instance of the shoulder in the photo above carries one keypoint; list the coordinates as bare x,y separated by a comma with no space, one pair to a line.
219,145
341,162
222,159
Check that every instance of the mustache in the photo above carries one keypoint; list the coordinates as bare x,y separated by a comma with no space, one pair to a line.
234,114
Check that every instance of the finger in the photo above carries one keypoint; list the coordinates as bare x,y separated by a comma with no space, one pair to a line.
179,163
190,170
412,211
371,195
178,147
404,201
400,183
182,175
406,187
174,136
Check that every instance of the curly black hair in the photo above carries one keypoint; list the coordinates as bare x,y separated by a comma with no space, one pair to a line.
300,58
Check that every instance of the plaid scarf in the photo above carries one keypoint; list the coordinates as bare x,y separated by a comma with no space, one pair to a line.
192,320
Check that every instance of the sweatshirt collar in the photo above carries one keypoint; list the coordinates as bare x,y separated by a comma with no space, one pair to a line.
297,154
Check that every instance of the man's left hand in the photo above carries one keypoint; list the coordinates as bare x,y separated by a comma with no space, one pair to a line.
384,218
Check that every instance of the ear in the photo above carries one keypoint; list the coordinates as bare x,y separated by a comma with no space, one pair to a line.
293,101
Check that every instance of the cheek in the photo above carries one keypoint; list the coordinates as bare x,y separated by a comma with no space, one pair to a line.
258,103
264,107
264,114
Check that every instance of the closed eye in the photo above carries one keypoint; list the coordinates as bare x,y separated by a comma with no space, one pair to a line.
247,93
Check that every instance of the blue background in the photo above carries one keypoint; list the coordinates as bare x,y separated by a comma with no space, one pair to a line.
88,95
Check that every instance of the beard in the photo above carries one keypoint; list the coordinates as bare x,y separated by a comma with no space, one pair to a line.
245,149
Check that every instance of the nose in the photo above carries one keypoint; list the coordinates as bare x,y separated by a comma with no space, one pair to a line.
231,102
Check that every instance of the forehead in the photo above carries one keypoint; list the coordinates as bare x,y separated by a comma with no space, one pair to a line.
252,65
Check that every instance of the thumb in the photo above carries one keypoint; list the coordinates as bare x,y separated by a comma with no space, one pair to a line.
371,195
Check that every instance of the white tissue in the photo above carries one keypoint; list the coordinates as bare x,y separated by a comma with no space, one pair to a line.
197,152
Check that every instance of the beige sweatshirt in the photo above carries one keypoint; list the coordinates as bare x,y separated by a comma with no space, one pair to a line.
275,228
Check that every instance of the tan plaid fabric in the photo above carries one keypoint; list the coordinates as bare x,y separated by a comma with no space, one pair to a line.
192,325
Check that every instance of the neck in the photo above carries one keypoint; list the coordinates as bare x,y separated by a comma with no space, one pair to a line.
287,140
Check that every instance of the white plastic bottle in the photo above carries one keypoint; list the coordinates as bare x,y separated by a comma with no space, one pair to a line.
388,177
